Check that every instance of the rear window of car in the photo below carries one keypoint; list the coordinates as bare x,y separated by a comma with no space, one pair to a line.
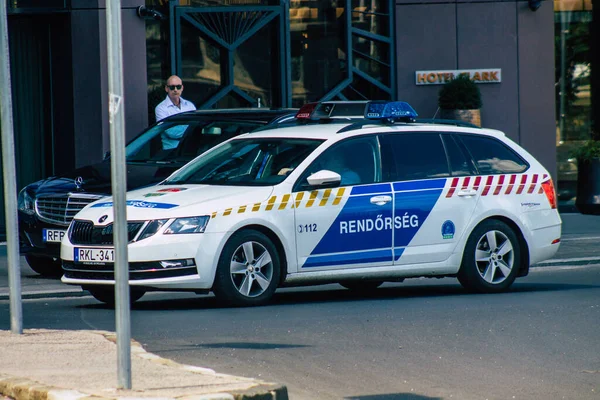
492,157
412,156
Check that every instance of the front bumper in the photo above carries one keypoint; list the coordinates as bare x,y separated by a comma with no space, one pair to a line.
31,238
145,268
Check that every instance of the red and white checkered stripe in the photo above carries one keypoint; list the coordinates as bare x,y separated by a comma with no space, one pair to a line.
498,185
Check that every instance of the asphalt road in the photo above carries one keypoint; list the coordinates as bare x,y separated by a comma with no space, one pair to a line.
422,339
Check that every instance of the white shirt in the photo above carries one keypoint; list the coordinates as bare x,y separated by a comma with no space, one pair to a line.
165,109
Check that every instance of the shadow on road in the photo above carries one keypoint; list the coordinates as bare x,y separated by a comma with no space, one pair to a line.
393,396
332,293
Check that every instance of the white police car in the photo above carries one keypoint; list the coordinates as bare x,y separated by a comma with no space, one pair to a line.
358,202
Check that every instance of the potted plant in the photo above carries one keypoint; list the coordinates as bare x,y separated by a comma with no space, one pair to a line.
460,99
588,176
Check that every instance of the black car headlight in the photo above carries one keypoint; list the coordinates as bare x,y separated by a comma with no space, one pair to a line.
188,225
25,202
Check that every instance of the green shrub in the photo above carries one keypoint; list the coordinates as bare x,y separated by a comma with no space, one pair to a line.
589,151
461,93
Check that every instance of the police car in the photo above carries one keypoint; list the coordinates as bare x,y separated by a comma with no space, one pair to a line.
325,199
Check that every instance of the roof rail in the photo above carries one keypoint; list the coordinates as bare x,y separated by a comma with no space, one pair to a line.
454,122
358,125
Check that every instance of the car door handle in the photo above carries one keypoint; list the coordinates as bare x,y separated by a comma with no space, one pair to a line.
381,200
467,192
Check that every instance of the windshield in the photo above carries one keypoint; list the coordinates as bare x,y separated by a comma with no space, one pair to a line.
181,141
247,162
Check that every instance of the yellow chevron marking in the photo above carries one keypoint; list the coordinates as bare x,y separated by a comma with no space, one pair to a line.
213,215
227,211
299,197
242,209
325,197
311,199
284,201
271,203
256,207
339,196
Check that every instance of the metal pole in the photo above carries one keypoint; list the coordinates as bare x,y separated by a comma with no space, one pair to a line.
117,151
10,178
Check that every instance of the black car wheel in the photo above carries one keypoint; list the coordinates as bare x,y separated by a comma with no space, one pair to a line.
248,271
491,259
45,266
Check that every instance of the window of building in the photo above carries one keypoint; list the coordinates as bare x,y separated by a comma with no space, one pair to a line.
574,51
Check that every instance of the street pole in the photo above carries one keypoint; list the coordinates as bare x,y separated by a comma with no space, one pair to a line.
10,178
119,185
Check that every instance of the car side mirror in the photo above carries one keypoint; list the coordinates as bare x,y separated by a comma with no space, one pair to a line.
324,178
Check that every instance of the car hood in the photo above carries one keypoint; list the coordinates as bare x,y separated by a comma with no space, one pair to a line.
96,178
173,201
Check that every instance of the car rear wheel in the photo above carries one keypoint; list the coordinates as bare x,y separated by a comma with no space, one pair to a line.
106,295
491,259
248,271
45,266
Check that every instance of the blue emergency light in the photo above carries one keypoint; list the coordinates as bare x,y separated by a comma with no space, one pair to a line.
390,110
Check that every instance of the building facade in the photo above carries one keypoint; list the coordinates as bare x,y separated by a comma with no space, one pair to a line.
242,53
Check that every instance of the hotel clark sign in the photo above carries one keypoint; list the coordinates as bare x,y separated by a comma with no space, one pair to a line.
438,77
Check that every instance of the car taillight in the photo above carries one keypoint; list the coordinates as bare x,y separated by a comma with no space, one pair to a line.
548,187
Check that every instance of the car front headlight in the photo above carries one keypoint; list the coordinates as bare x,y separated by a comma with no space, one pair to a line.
188,225
151,228
25,202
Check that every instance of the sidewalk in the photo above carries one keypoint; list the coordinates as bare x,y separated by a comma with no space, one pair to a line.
55,369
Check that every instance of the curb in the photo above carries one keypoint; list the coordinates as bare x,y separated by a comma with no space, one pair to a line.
18,388
42,294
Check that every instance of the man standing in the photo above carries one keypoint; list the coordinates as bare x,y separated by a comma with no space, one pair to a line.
171,105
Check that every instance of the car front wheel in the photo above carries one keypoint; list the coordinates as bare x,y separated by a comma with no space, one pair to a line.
491,259
248,271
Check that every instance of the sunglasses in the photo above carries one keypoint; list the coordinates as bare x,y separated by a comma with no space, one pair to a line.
173,87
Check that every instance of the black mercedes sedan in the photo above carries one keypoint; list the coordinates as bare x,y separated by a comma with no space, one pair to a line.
46,207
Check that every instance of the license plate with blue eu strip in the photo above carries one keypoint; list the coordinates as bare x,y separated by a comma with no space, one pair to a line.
92,255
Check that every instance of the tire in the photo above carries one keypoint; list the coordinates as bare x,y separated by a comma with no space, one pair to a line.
45,266
106,294
248,271
361,286
490,270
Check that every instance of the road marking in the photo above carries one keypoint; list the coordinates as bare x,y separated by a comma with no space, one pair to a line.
562,267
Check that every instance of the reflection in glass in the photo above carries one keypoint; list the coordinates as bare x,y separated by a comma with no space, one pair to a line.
317,33
200,65
253,66
573,55
372,57
371,16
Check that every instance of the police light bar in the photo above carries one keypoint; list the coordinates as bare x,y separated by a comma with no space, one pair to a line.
390,110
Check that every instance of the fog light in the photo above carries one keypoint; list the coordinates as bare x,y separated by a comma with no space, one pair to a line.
188,262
